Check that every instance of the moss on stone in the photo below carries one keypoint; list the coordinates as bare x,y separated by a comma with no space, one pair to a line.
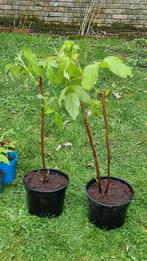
38,25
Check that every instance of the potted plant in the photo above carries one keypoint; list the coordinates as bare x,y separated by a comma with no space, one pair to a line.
8,160
45,187
108,196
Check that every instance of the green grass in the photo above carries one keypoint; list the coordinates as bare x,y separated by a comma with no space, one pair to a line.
71,236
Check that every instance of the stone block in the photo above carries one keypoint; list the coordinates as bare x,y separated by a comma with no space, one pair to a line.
119,16
72,11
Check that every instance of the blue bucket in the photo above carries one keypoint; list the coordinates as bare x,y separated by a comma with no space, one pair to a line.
1,181
9,170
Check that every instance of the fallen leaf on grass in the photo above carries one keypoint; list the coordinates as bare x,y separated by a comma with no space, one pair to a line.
50,156
13,111
143,65
66,123
67,144
126,248
145,229
116,95
64,145
90,165
58,147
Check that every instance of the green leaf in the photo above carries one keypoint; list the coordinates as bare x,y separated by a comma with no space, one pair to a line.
58,120
107,92
96,108
28,54
4,159
13,70
36,69
66,75
64,93
60,71
115,65
73,70
72,104
49,61
8,67
3,149
80,92
50,73
53,64
67,48
70,49
48,110
90,76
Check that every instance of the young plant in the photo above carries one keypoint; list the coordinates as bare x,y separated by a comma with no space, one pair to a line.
29,66
78,82
5,147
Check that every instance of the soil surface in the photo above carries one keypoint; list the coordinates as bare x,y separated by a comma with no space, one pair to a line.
118,192
54,181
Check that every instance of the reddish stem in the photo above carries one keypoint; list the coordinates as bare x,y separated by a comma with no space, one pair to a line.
44,173
107,138
91,145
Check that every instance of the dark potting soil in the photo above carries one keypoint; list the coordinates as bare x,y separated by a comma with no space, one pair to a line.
118,192
54,181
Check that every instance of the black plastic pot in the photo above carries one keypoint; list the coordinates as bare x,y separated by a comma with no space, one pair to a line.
104,215
46,203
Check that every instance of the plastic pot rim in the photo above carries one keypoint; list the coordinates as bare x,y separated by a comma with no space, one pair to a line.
104,204
15,155
47,191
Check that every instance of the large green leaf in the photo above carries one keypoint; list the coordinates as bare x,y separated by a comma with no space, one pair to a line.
72,104
60,71
58,119
28,54
3,149
81,93
115,65
13,70
4,159
51,66
90,76
35,68
73,70
62,95
50,73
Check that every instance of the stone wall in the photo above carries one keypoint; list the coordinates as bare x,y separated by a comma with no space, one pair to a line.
70,13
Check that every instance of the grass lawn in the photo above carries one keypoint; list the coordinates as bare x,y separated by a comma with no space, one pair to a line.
71,237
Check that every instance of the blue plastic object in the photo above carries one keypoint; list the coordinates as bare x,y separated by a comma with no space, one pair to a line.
9,170
1,181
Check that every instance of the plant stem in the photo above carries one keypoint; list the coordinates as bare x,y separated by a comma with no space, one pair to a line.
107,138
91,145
44,173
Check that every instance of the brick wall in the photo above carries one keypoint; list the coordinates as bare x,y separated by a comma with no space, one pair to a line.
71,12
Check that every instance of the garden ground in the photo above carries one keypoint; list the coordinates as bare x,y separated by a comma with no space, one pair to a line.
71,236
